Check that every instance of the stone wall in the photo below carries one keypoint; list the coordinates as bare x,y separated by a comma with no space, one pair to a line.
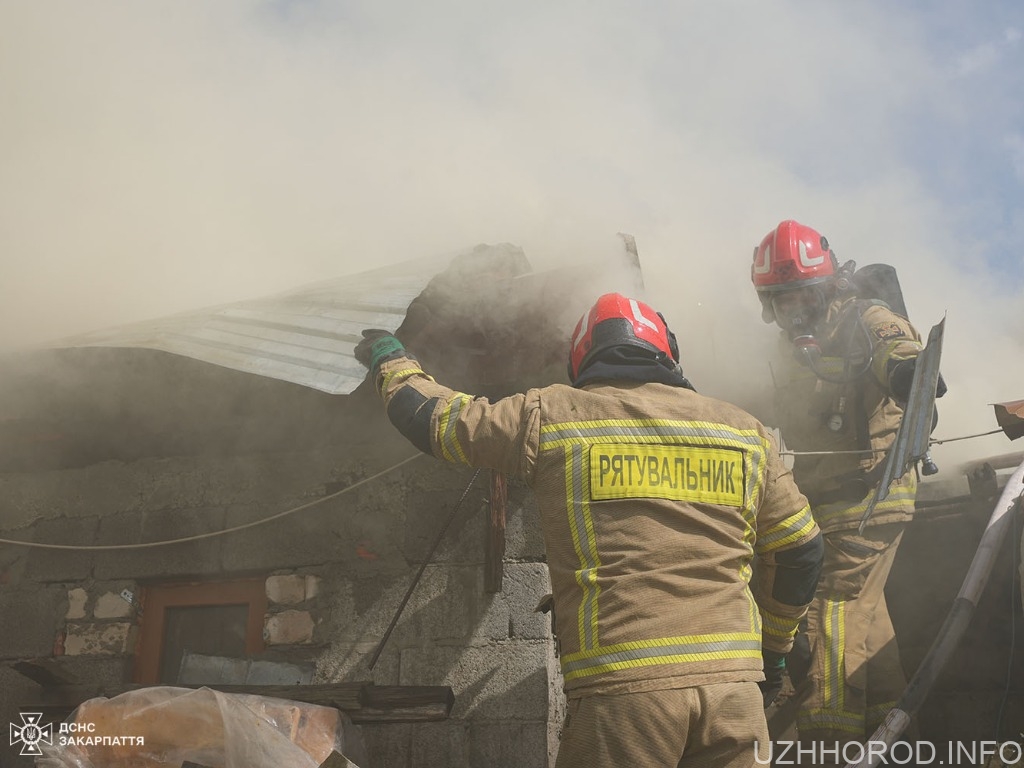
335,573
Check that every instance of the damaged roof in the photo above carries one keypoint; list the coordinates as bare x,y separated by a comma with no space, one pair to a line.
307,336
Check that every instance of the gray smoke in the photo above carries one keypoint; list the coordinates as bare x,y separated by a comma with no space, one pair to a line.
167,156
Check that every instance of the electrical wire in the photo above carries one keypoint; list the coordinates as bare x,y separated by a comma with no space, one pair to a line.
301,507
865,451
211,534
965,437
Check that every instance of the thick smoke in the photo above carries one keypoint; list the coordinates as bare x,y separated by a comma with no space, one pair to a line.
163,157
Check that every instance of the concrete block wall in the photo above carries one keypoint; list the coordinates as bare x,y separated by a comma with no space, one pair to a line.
335,574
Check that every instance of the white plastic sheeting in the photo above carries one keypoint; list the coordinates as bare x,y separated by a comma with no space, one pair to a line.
163,727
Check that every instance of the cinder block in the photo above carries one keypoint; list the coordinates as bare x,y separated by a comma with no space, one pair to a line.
389,745
499,681
13,562
193,558
319,535
450,604
421,744
524,539
523,586
18,693
448,745
509,745
30,620
351,662
60,564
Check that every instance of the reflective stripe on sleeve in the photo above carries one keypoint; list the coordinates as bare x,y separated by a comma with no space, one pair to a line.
900,497
400,375
446,428
778,626
791,529
581,525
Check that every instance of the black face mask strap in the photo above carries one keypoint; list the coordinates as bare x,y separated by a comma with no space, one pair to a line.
673,345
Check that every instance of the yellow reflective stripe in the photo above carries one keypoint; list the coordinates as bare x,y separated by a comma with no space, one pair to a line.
830,719
752,609
666,650
778,626
671,432
880,365
594,589
746,574
830,366
901,497
793,528
400,375
646,430
449,441
834,625
889,350
581,526
574,438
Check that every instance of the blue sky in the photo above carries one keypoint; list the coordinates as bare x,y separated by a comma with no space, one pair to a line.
165,156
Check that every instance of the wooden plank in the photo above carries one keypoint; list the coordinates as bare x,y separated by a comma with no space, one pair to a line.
494,554
426,713
363,702
404,704
46,672
343,696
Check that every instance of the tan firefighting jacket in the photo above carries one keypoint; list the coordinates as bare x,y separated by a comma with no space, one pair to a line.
847,406
654,501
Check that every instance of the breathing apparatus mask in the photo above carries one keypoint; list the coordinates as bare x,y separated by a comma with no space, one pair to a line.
799,310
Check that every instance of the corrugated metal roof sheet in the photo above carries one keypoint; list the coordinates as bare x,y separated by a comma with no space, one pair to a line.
305,336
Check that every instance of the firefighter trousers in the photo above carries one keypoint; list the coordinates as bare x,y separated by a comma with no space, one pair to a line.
707,726
855,675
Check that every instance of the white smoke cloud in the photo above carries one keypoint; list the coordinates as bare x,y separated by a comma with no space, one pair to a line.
164,156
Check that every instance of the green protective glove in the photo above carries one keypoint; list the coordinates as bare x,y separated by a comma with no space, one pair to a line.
774,668
378,346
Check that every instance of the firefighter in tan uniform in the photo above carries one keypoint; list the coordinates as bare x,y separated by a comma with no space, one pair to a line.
655,503
848,364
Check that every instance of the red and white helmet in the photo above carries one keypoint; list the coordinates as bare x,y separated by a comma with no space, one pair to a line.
617,320
790,256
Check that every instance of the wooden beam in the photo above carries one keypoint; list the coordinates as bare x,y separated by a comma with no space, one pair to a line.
364,702
404,704
494,554
45,672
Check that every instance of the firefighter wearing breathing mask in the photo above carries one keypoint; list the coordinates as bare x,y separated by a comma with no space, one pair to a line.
847,365
655,503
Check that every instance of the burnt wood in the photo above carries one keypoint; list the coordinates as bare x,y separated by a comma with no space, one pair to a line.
494,554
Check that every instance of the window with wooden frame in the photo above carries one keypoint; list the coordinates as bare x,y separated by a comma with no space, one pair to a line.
213,618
